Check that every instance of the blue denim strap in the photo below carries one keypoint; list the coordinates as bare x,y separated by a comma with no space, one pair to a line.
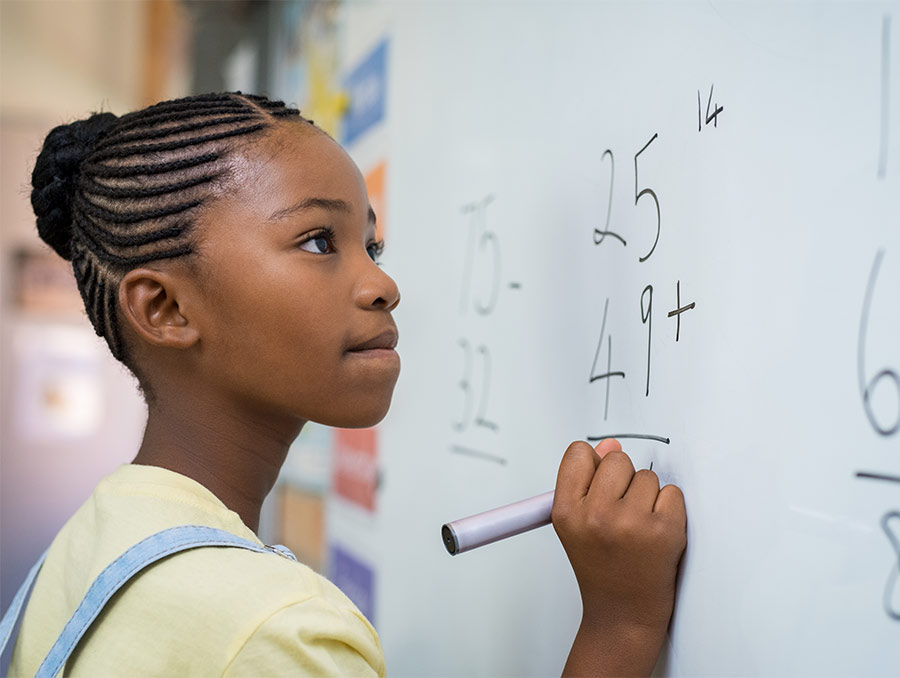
117,574
11,617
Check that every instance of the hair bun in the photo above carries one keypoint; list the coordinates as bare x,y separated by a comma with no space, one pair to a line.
55,173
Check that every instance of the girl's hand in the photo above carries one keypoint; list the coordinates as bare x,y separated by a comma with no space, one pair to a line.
624,537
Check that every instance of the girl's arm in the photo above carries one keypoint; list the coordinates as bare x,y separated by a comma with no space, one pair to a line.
624,537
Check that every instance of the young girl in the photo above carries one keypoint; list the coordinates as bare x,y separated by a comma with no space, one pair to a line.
225,249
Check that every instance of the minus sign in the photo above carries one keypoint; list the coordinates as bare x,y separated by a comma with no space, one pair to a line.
478,454
641,436
877,476
515,286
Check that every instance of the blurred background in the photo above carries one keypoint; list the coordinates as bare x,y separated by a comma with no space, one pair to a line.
70,414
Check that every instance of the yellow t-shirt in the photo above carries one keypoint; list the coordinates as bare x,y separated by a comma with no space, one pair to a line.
215,611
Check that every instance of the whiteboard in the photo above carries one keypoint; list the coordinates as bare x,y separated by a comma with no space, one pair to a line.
564,181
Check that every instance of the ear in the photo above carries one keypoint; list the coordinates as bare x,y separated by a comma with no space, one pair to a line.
150,305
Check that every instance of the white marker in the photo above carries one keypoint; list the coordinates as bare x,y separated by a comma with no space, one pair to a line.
466,534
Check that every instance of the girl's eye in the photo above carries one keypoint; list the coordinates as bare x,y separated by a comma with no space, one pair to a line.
375,249
320,243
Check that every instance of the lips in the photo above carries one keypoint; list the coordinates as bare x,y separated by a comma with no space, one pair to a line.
385,340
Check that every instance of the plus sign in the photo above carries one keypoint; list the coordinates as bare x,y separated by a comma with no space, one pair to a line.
681,309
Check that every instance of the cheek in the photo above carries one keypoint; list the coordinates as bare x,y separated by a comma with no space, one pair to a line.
279,324
283,322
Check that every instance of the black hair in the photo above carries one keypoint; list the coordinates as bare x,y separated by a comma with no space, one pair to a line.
113,193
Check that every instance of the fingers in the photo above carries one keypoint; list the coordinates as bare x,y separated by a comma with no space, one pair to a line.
612,478
576,471
671,501
608,445
606,474
643,490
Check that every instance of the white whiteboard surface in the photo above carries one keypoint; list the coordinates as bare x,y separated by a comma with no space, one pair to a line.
779,219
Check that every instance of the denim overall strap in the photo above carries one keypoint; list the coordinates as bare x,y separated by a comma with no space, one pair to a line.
117,574
11,617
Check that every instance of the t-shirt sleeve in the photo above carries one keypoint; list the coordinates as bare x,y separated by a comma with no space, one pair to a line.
313,638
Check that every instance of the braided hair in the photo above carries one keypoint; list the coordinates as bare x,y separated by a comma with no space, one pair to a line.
113,193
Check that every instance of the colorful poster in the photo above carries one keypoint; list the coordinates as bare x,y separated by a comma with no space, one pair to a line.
367,88
355,466
355,578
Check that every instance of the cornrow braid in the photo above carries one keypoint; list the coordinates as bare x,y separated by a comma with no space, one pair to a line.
179,142
111,194
161,132
179,115
132,171
276,108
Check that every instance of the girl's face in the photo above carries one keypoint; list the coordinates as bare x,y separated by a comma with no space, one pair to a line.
296,317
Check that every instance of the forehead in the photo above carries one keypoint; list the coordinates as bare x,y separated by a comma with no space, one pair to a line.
293,162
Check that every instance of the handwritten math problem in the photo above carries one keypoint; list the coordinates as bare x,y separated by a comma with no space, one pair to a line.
480,289
480,292
635,230
617,240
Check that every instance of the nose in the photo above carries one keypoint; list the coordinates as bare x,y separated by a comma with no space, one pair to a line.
376,289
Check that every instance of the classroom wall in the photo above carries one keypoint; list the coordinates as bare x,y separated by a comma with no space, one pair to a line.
69,413
58,61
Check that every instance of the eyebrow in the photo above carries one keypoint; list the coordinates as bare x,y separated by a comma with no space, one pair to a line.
328,204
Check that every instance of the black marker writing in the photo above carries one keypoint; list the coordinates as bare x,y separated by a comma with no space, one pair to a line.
609,371
640,436
600,236
481,239
679,309
866,389
710,118
647,319
891,583
478,454
646,191
465,384
877,476
885,94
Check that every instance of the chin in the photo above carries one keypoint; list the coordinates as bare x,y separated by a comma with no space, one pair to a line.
358,415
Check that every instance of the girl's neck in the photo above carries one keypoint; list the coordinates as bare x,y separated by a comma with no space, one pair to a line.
234,453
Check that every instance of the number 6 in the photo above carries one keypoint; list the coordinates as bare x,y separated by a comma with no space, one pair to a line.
867,389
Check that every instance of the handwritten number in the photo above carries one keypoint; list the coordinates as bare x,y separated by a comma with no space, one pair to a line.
600,236
699,128
609,372
885,94
647,191
716,109
886,373
490,237
480,234
710,117
894,575
481,417
465,384
647,319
